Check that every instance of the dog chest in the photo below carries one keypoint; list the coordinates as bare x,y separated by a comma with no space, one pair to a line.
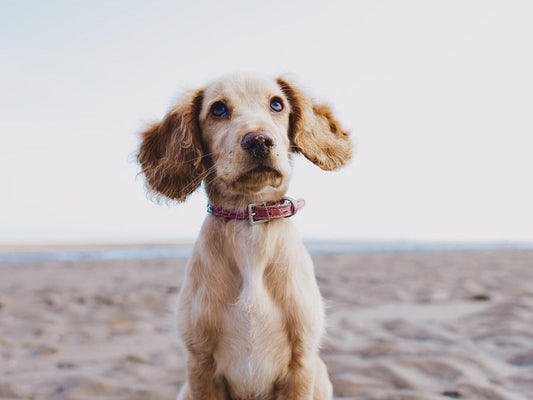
253,350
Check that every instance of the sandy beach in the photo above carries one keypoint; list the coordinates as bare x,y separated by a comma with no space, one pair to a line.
401,326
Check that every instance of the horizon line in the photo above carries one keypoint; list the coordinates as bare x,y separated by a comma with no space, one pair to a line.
143,251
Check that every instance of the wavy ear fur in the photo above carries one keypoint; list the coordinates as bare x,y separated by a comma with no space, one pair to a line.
171,150
314,131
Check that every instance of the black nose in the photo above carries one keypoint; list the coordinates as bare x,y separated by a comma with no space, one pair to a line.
257,144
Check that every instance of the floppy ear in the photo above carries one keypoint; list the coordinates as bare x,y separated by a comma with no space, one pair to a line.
314,131
171,150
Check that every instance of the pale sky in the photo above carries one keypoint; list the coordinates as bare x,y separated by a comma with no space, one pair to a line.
438,96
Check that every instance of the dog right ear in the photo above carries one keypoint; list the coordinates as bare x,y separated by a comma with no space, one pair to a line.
314,131
171,150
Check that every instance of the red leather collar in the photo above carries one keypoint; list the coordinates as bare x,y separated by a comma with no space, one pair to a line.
261,212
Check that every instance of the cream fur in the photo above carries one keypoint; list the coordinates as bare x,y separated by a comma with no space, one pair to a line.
249,313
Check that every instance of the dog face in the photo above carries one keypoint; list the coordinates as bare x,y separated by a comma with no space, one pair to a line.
244,124
237,135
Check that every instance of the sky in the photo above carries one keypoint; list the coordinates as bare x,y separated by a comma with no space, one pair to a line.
438,96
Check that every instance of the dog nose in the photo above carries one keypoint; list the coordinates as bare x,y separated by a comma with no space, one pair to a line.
257,144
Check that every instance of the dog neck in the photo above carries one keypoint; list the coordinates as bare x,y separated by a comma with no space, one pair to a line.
260,212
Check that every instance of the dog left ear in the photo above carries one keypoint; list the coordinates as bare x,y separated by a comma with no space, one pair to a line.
171,151
314,131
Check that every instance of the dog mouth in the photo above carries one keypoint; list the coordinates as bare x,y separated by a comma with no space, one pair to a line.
260,173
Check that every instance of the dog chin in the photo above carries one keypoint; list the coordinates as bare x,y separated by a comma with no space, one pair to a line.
251,187
257,178
262,181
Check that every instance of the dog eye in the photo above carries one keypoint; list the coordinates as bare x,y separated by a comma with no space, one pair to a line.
219,109
276,105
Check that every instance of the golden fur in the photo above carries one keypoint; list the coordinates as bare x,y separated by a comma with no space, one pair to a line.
249,313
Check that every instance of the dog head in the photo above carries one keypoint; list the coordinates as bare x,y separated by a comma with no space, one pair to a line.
237,135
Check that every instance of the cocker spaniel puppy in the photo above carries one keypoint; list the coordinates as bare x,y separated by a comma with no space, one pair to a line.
249,313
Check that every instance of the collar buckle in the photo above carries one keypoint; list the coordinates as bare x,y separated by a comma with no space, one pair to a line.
252,214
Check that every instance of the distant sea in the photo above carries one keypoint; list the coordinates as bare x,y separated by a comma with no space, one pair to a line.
147,252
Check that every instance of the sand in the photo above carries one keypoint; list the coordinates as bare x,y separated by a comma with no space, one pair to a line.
402,326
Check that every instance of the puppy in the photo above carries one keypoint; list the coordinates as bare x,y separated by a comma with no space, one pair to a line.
249,312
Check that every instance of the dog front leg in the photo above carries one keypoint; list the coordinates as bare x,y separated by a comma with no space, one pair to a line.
203,384
302,328
297,385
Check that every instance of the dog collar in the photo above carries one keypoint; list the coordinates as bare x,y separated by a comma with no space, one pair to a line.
260,212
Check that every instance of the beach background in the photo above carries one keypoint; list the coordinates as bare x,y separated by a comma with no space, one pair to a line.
423,244
400,324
